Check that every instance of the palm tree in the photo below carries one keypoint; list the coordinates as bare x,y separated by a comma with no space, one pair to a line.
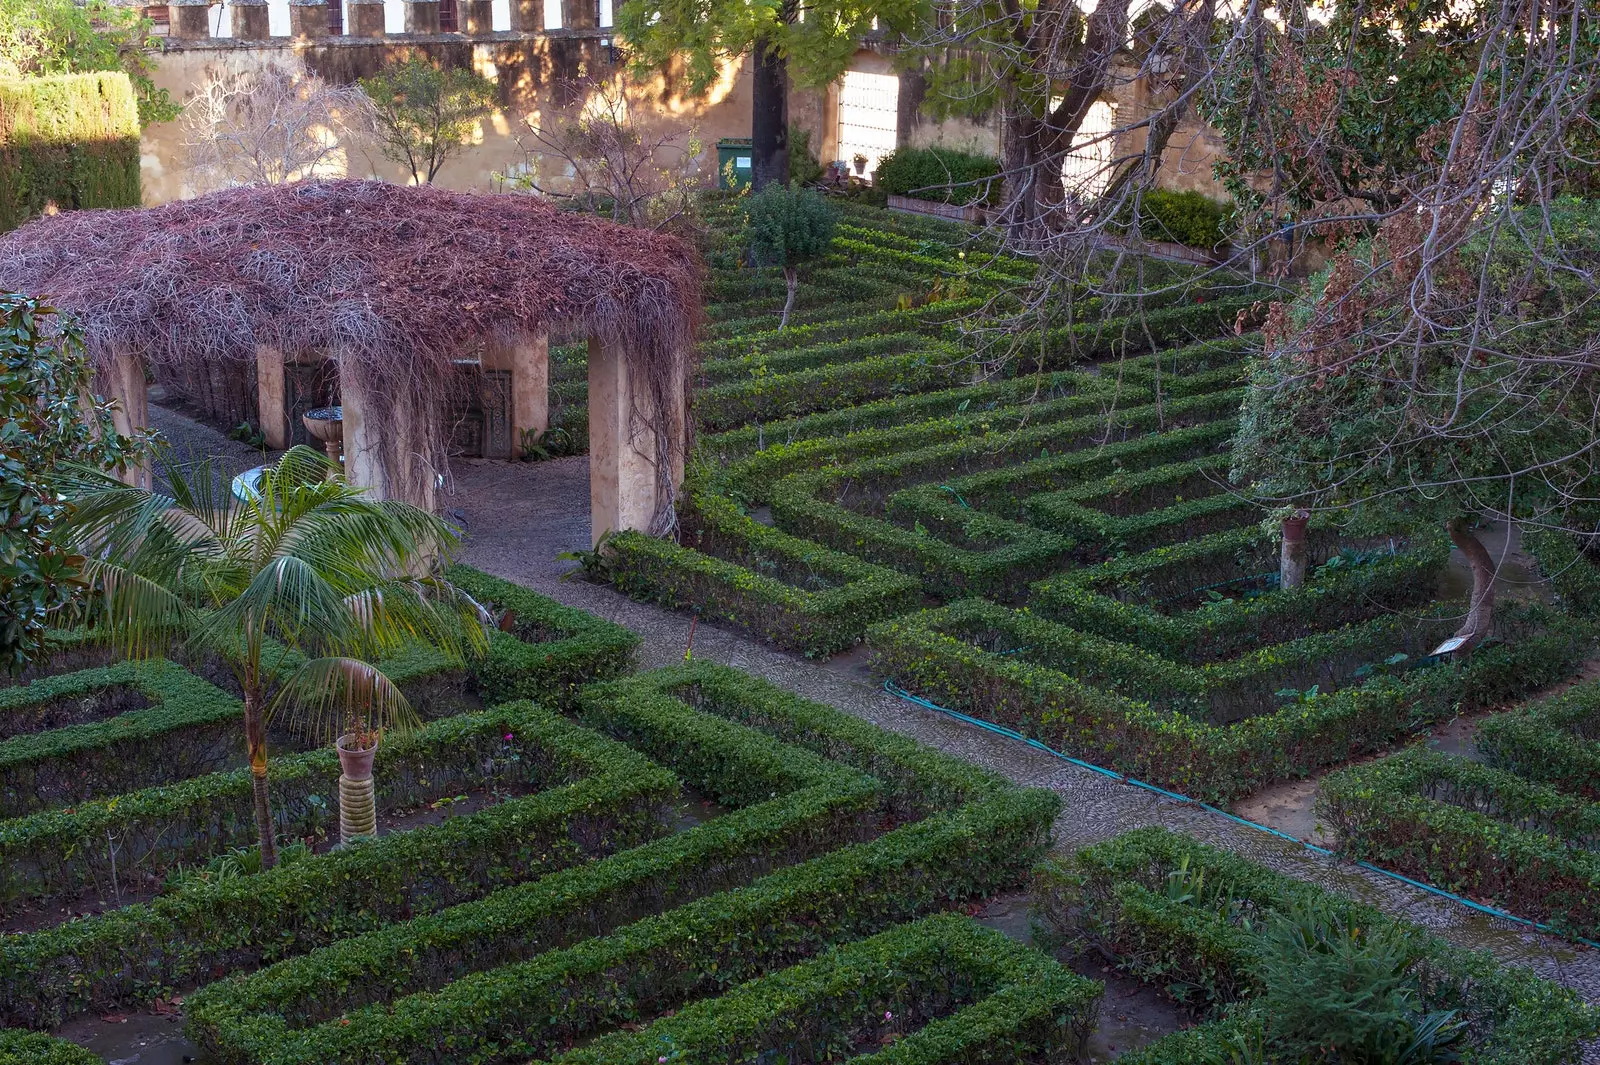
296,590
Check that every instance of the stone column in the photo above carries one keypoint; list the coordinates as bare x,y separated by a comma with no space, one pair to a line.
422,16
363,444
477,17
271,397
308,18
527,16
250,20
125,383
366,18
623,490
189,20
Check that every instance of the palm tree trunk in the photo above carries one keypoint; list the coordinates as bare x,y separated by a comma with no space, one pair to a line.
255,733
792,277
1480,609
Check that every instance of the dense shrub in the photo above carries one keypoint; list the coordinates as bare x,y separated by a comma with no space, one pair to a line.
1172,910
1182,217
71,140
18,1047
940,174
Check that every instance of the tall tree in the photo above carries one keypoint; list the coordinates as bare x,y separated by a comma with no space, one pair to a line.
48,418
424,114
787,42
296,590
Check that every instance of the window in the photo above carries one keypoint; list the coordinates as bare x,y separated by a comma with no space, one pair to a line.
869,113
335,17
552,14
605,13
449,19
158,16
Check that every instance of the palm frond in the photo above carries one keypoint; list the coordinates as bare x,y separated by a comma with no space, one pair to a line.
136,614
327,697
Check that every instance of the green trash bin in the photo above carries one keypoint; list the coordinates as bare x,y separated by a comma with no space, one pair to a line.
733,162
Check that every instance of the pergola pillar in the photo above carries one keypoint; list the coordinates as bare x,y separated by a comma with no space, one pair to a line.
127,386
624,492
365,438
271,397
527,361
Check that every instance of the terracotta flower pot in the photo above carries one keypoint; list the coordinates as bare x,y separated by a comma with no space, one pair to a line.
355,761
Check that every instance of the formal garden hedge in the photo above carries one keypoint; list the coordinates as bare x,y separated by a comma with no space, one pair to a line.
19,1047
824,866
1191,919
71,140
1519,828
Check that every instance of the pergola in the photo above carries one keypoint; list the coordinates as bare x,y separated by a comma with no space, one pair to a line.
397,285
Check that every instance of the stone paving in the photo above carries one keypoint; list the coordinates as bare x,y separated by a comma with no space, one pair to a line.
520,517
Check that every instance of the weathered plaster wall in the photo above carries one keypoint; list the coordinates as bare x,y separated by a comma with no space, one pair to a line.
537,75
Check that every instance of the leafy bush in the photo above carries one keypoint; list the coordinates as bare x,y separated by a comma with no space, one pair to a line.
18,1047
943,175
804,166
788,226
71,140
1182,217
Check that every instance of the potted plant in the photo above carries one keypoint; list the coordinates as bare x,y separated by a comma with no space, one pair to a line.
839,171
357,746
860,160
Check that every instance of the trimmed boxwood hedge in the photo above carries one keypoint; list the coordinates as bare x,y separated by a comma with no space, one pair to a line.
544,984
1554,741
1475,830
598,797
941,174
189,727
944,989
1116,897
68,139
550,650
18,1047
1207,761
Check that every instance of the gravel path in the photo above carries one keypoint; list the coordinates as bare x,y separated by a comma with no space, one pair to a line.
520,517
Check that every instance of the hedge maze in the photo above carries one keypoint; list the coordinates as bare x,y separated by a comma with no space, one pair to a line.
1195,922
807,909
1059,551
1520,827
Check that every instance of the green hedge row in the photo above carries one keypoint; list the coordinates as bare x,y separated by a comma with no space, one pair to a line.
18,1047
548,651
1554,741
1118,897
569,987
764,364
1136,510
941,174
942,655
728,321
941,990
957,549
1475,830
788,591
1131,599
188,727
736,403
598,797
926,318
1575,578
1138,334
69,139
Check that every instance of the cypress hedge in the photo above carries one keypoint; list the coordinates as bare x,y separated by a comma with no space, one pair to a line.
71,140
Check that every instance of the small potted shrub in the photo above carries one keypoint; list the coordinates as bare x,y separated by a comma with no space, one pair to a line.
861,162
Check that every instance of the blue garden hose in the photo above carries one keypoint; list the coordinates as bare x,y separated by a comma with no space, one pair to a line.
900,693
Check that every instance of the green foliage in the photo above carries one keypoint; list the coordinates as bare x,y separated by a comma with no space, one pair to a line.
1338,991
71,141
18,1047
804,166
1473,829
1255,938
596,796
940,174
1182,217
788,226
426,114
43,373
45,38
940,990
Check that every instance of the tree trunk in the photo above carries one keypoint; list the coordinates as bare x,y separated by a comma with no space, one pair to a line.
1480,610
793,279
1292,561
255,733
769,117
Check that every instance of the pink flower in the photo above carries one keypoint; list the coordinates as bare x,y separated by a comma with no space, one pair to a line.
508,740
888,1016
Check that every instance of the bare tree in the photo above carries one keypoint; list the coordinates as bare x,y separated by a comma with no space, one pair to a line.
271,125
609,159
